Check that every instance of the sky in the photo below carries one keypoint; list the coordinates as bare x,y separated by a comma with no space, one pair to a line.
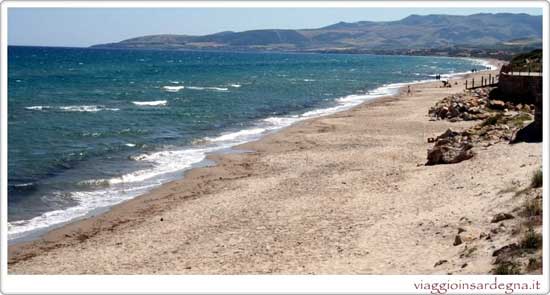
82,27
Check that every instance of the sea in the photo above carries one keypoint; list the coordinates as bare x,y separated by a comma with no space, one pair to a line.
90,128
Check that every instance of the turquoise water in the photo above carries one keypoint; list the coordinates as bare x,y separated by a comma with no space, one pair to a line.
89,128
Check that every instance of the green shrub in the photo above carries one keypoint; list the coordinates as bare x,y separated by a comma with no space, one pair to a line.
493,120
507,268
531,240
534,264
533,207
536,180
519,120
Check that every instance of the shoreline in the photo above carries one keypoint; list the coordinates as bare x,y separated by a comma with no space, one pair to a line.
341,104
203,182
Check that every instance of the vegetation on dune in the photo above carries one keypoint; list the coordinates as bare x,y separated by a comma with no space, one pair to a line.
507,268
536,180
531,240
525,62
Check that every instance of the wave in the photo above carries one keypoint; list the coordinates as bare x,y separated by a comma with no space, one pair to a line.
482,62
38,108
90,108
238,135
87,202
22,187
235,85
75,108
93,183
150,103
104,193
208,88
173,88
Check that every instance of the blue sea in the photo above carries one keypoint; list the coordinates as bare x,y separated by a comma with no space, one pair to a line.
90,128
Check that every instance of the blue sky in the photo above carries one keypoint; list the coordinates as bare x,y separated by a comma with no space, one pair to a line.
87,26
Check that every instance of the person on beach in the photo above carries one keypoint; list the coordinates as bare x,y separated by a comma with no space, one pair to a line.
409,90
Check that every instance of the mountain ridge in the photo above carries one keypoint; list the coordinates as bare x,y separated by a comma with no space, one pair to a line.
414,32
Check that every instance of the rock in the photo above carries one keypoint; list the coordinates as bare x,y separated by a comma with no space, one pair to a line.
460,106
443,112
506,253
445,154
474,110
497,104
457,241
506,249
461,230
440,262
466,116
501,216
448,133
453,112
481,116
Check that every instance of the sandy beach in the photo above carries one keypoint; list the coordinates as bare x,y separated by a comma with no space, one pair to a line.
343,194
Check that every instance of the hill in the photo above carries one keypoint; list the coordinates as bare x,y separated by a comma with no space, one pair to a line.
413,33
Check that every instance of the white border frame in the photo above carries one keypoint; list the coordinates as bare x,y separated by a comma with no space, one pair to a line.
254,284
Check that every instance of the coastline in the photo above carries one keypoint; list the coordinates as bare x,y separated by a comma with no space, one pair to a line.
172,164
256,169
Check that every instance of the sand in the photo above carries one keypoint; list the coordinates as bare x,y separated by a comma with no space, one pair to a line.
342,194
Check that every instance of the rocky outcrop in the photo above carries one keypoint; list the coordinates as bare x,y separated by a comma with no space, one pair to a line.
473,105
454,147
501,216
466,106
450,147
501,120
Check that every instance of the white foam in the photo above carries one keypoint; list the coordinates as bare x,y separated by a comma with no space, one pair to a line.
117,189
150,103
343,103
241,135
173,88
37,108
208,88
235,85
163,162
130,144
281,121
87,201
86,108
75,108
486,63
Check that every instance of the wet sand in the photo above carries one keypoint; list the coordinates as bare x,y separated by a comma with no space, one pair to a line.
342,194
